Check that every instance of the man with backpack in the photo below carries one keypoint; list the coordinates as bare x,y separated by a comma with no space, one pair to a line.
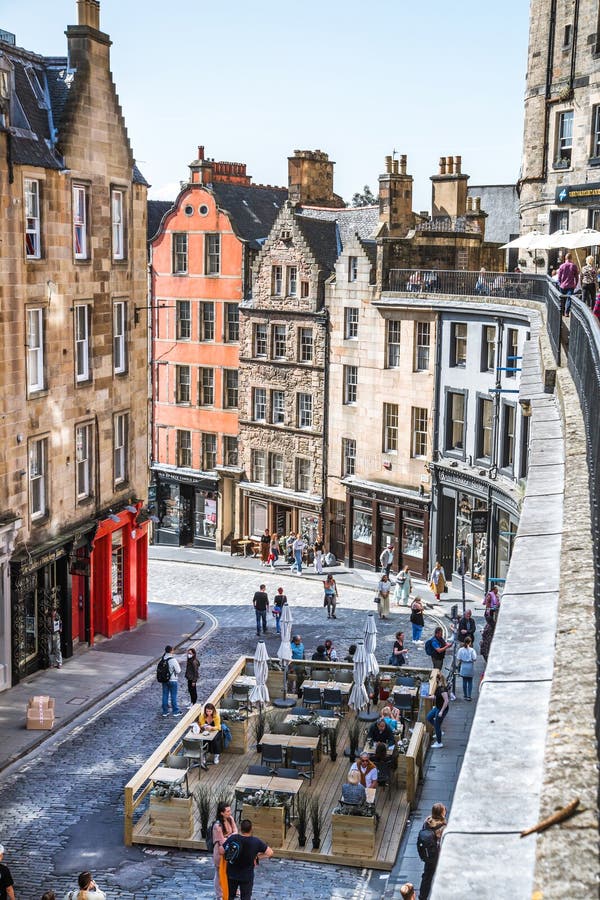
436,648
167,671
243,852
428,846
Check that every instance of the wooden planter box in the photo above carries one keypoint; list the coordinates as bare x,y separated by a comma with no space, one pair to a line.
275,684
268,823
242,735
171,818
353,835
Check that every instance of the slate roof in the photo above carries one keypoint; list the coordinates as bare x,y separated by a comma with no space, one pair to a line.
253,208
157,209
322,236
361,220
137,176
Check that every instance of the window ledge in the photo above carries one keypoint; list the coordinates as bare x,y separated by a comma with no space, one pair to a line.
38,393
594,161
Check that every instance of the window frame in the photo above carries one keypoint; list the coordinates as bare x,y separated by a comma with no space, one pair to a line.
37,351
277,407
179,255
391,432
264,338
206,386
485,348
230,390
120,448
481,431
259,404
183,323
120,337
393,329
183,385
595,134
351,320
564,141
40,478
299,476
350,385
209,448
419,435
84,464
352,269
455,339
512,350
292,281
508,411
276,470
449,445
306,348
232,324
35,229
80,219
117,216
183,448
305,410
207,321
212,257
276,281
277,343
228,442
83,377
421,346
258,456
348,457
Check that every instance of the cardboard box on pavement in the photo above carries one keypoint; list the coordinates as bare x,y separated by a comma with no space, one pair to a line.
40,713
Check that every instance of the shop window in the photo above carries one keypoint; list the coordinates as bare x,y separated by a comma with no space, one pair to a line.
207,321
412,539
512,351
305,349
488,348
458,344
182,384
276,469
258,466
116,579
422,344
38,478
277,407
207,387
35,350
302,475
205,514
506,530
305,410
559,220
309,526
351,323
508,436
393,344
419,416
230,388
213,254
350,384
348,457
564,139
278,341
180,253
292,281
259,405
120,447
455,421
168,506
120,337
83,457
260,340
277,280
209,452
230,450
484,428
232,322
33,244
118,223
184,449
258,515
390,427
184,320
362,525
352,268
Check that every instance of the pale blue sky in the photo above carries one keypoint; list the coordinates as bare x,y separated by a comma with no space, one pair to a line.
253,82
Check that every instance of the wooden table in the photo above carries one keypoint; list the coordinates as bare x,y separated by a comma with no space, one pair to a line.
203,738
247,542
342,686
269,783
166,775
290,740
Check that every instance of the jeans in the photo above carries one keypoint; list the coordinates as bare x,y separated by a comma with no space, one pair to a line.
298,560
244,886
426,880
417,632
435,718
331,602
277,625
467,686
170,691
261,617
568,295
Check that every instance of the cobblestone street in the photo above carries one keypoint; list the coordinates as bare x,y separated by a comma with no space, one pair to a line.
61,809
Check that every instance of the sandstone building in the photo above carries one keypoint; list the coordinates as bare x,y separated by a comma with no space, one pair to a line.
202,250
73,380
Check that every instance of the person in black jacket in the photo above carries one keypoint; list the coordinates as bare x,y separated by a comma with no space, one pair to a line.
467,627
192,670
380,732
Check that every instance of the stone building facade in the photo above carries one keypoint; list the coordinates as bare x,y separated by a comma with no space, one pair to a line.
73,381
202,250
560,175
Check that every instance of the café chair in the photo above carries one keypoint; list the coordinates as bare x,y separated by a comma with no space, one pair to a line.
405,680
249,669
259,770
272,755
332,699
309,730
311,696
301,711
240,695
176,761
344,677
193,750
320,675
302,758
282,728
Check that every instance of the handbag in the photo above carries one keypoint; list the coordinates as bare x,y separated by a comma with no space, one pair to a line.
377,599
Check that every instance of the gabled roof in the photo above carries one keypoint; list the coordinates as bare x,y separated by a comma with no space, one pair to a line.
322,237
252,208
137,176
157,210
351,220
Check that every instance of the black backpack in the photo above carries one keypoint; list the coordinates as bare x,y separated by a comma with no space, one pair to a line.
163,671
427,845
233,847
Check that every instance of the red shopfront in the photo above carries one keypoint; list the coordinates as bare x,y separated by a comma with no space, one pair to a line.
114,596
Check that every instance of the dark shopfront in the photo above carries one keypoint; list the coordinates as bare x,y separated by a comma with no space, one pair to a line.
187,509
463,504
378,518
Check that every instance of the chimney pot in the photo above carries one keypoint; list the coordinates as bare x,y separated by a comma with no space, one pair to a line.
457,164
88,13
442,165
395,166
403,164
477,204
200,152
388,165
469,204
450,165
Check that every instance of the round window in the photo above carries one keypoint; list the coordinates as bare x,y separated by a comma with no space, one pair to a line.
188,210
203,210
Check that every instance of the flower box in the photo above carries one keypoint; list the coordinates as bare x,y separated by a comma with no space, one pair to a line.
353,835
173,817
242,734
268,823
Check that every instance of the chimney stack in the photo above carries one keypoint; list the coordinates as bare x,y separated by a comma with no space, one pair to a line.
395,197
88,45
388,165
88,13
449,189
310,179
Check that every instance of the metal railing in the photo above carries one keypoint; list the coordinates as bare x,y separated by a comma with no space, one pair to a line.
450,223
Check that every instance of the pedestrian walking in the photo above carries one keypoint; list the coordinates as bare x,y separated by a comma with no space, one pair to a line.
296,671
437,582
568,275
417,620
87,887
407,891
298,548
467,656
467,627
6,880
403,588
589,281
318,548
279,601
330,596
265,543
486,638
386,559
436,648
492,604
383,597
273,551
54,648
428,846
192,671
440,708
398,655
167,672
350,656
223,826
260,602
242,852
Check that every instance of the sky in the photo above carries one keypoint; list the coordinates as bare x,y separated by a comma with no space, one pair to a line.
253,82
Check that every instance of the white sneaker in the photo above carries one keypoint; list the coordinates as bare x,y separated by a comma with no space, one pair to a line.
436,745
216,759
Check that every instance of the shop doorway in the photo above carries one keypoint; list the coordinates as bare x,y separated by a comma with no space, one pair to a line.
386,531
186,511
283,520
35,595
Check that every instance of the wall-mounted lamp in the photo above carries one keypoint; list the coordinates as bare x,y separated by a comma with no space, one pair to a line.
131,509
113,517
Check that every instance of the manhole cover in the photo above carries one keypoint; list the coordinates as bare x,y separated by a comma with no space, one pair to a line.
77,701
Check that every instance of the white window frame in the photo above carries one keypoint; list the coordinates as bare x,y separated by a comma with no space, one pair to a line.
82,314
32,218
264,339
422,345
209,448
120,444
117,206
184,322
350,385
419,417
352,268
279,341
230,450
230,388
276,469
305,410
38,478
184,448
292,281
206,386
80,221
35,350
183,385
120,336
83,461
277,280
351,317
393,334
277,407
212,262
259,404
258,466
303,475
348,457
391,427
307,348
207,320
179,254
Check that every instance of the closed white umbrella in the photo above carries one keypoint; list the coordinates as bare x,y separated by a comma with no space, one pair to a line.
359,697
260,693
285,648
371,645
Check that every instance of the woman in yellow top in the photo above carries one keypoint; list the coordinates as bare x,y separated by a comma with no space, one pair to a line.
210,720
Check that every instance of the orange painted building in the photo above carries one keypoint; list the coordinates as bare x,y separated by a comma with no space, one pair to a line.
202,248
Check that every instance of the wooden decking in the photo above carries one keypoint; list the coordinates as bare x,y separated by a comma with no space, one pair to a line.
391,805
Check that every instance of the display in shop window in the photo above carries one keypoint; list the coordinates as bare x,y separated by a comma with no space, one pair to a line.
412,540
362,528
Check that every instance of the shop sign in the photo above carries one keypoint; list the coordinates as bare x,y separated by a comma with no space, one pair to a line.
479,521
578,194
40,561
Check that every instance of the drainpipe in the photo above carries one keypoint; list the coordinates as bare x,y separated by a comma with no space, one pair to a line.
325,442
435,484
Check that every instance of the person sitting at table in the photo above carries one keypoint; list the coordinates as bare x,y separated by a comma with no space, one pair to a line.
353,791
210,720
384,763
320,654
381,731
391,716
367,771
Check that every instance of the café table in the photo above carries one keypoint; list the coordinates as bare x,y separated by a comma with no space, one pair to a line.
290,786
203,737
245,681
167,775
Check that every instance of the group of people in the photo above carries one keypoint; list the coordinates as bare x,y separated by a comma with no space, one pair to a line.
570,281
236,854
86,889
294,547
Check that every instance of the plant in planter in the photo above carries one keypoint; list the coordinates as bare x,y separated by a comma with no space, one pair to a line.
351,809
353,739
167,791
260,722
267,798
224,796
333,744
271,717
302,809
203,798
232,715
316,821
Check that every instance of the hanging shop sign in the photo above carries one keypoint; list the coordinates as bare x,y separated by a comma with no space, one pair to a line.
479,521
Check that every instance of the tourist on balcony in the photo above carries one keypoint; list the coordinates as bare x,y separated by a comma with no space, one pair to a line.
589,281
415,283
568,276
482,285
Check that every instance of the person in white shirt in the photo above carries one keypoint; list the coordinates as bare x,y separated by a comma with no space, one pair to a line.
298,548
467,656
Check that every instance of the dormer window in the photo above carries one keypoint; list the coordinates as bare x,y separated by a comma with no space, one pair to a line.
286,235
4,84
36,86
